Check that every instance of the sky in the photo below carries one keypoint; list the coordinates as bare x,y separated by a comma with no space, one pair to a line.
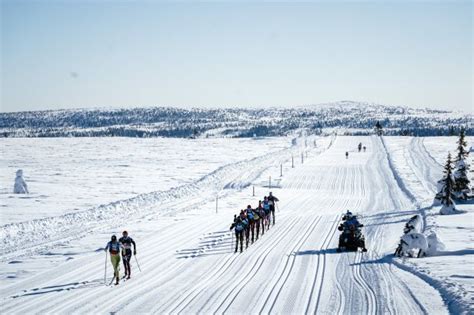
70,54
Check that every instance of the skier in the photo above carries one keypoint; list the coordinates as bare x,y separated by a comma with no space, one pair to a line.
251,218
256,220
272,201
20,186
364,148
239,232
114,248
347,155
360,146
127,242
261,214
266,209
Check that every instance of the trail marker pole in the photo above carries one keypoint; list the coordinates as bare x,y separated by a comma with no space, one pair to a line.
253,191
302,157
281,170
269,182
292,162
217,203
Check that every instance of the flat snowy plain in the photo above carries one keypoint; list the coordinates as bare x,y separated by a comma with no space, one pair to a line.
163,191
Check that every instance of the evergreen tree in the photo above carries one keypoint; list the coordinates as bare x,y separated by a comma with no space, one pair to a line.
461,169
445,193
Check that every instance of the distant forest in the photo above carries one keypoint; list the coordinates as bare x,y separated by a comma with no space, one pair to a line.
347,117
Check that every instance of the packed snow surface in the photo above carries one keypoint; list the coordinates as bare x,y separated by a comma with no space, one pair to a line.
53,261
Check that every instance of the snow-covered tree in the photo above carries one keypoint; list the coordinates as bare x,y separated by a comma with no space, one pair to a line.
461,169
445,192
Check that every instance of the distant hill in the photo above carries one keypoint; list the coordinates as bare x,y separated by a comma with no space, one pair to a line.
345,116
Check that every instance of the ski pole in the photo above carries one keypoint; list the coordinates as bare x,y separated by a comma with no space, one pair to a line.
105,272
138,265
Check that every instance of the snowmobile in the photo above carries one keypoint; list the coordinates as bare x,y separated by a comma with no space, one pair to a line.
351,241
351,237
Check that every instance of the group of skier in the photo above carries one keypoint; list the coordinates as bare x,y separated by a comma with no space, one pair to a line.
359,148
121,247
351,237
251,221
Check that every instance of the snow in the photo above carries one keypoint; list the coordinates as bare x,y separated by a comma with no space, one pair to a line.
52,259
20,186
448,209
74,174
419,162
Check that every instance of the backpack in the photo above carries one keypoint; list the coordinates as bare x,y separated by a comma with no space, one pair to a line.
250,215
239,227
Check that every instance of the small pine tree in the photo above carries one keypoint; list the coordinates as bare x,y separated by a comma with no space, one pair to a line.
461,169
445,194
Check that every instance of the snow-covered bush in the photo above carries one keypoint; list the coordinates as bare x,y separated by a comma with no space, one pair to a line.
435,245
413,225
20,186
413,244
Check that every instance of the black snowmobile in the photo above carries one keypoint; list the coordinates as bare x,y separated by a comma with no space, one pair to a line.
351,237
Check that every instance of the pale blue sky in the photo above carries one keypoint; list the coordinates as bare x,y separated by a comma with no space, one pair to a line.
58,54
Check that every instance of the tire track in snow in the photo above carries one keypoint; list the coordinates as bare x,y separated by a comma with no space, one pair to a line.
371,297
320,268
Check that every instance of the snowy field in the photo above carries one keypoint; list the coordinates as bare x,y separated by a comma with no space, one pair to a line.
163,191
71,174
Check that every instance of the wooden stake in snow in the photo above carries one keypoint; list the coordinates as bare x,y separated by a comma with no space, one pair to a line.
281,170
292,162
253,191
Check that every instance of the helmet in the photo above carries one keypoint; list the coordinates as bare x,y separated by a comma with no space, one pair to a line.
113,238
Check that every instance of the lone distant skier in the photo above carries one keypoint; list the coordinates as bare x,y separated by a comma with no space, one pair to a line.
272,200
114,248
347,155
127,242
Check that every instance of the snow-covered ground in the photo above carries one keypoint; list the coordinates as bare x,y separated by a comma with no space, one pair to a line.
53,262
419,162
71,174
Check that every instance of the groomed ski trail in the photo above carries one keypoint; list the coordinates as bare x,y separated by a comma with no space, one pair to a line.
292,268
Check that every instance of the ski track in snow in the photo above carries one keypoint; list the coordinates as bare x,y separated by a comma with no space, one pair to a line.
189,265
